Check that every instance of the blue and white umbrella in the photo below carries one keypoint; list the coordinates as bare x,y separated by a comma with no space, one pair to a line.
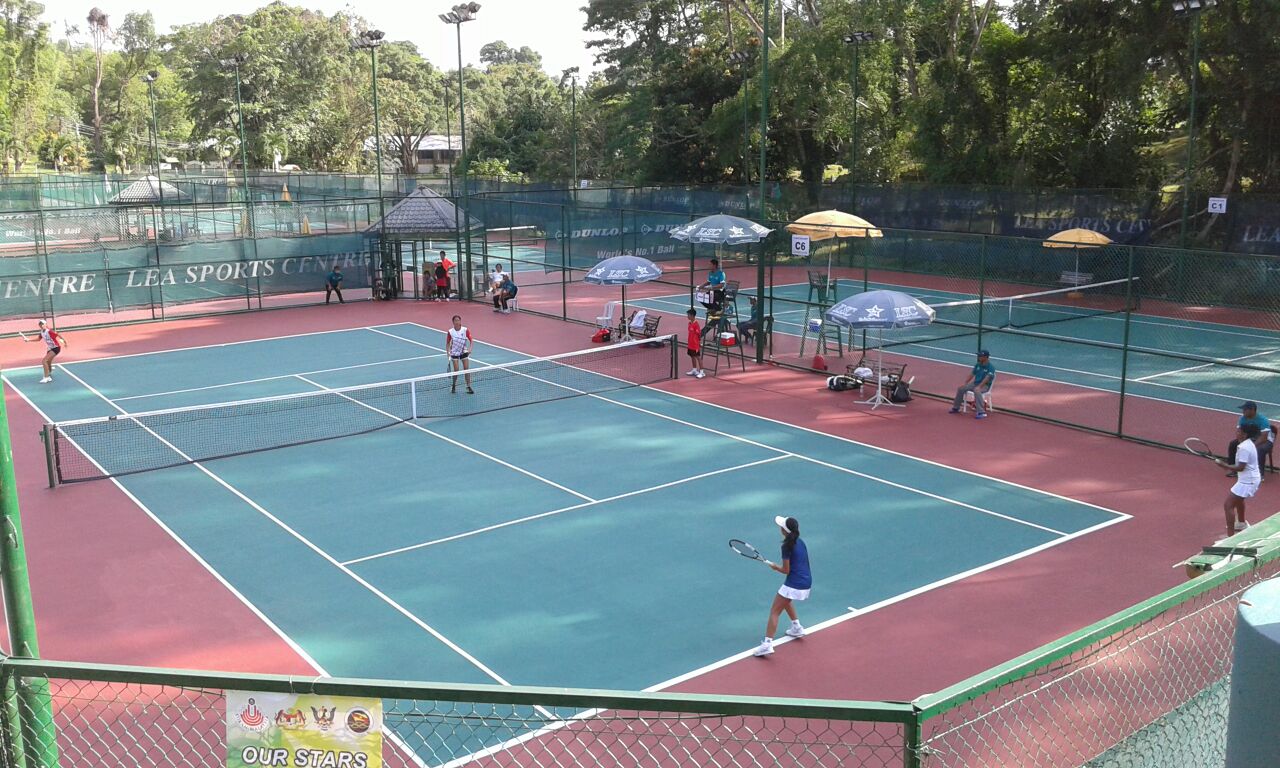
721,229
623,271
880,310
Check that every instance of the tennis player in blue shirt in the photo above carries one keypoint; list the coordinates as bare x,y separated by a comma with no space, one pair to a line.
979,381
795,566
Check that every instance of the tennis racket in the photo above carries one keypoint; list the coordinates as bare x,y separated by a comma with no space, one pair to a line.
24,336
746,550
1199,448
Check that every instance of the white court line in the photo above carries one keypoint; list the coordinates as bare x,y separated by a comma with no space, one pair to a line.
293,645
850,441
306,542
802,457
201,346
449,440
275,378
540,515
840,619
1207,365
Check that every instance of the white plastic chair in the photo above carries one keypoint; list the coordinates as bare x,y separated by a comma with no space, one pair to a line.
606,320
986,399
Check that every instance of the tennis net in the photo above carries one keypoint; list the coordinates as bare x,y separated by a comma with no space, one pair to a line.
1042,307
128,443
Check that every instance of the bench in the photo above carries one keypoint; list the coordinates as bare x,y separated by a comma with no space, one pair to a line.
890,374
650,328
1075,279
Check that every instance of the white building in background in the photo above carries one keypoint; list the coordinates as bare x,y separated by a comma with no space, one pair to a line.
436,152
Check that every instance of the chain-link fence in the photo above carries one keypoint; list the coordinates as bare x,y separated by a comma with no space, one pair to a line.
1149,343
1144,687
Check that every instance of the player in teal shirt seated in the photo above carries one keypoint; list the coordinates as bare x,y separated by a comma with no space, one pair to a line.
1251,417
979,381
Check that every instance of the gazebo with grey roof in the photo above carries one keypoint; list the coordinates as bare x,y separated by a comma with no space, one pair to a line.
410,232
147,197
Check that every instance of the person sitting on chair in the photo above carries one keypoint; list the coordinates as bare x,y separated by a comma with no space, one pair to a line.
496,278
505,293
979,381
1250,416
715,284
748,327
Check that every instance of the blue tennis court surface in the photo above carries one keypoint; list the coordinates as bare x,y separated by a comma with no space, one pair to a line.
1049,354
579,542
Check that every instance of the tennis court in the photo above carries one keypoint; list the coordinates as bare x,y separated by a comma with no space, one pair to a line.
569,530
1045,347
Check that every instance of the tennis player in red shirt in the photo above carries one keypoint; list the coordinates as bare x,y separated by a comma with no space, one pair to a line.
695,345
53,344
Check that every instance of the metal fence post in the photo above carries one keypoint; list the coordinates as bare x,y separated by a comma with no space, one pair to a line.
1124,351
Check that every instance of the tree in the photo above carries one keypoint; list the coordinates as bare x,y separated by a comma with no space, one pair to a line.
410,92
100,34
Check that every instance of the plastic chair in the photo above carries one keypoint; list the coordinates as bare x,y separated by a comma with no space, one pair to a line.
986,399
606,320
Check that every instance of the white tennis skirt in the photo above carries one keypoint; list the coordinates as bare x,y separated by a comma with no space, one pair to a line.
1244,490
793,594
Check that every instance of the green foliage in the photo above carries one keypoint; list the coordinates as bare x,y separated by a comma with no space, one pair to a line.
1082,93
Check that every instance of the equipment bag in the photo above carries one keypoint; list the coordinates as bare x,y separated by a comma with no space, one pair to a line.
901,393
602,336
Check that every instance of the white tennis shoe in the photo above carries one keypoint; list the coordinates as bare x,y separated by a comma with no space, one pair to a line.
1241,525
691,372
796,631
46,380
764,649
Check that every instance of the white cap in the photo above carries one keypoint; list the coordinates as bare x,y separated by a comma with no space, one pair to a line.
781,521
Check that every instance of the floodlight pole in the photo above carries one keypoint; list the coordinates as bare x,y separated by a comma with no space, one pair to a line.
459,15
372,39
741,58
855,40
251,231
150,79
1192,8
764,150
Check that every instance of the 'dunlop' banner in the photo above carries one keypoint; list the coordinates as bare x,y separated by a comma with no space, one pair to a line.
303,731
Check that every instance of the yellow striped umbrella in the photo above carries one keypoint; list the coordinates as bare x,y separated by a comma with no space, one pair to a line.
824,225
1076,239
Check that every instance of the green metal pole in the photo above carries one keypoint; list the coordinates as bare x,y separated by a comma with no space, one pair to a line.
252,233
38,736
464,258
764,149
853,157
573,100
746,130
155,154
1191,125
1124,352
377,130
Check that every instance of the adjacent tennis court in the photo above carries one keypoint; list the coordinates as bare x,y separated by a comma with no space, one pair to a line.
560,527
1045,348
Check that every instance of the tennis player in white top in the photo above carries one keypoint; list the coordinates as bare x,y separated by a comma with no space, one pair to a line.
457,342
1248,477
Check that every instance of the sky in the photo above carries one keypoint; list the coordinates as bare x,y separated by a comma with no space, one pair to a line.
551,27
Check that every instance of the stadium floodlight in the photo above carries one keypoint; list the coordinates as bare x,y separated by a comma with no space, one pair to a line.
1192,9
370,40
856,40
459,15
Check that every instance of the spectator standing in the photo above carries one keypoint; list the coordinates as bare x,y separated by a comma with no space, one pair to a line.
333,284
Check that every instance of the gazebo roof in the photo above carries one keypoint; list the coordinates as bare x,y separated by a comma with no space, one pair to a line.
147,190
423,212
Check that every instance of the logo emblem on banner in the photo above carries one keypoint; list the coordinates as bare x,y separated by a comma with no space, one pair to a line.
288,729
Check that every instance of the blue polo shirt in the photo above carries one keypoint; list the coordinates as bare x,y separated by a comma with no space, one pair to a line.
715,278
799,576
1259,421
509,287
334,278
982,371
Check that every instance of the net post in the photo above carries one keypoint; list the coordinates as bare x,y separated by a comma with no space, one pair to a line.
35,711
1124,352
675,357
413,400
47,437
